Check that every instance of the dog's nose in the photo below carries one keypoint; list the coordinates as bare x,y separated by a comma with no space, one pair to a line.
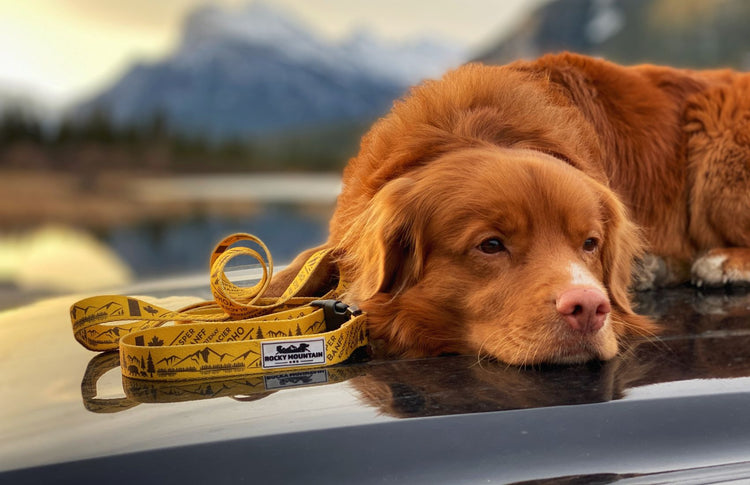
584,309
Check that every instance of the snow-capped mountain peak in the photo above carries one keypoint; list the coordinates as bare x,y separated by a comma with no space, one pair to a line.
257,23
404,62
262,25
256,69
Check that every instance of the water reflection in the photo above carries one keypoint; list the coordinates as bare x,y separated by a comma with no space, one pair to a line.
59,259
706,336
242,389
183,245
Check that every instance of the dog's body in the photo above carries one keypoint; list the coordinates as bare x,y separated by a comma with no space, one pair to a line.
496,211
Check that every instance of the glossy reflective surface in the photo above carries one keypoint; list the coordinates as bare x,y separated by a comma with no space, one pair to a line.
687,393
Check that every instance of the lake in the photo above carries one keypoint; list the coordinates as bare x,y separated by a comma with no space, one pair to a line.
289,212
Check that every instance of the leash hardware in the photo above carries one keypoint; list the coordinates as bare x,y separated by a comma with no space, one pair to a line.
336,312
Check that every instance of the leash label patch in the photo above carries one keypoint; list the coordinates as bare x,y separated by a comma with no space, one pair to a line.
289,353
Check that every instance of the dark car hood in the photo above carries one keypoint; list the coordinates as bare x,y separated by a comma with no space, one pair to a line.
679,403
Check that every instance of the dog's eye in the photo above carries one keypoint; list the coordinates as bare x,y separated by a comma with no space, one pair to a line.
491,246
590,244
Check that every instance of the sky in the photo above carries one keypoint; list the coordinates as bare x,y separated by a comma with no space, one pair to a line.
59,51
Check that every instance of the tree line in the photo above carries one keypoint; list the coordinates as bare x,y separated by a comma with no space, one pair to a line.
95,143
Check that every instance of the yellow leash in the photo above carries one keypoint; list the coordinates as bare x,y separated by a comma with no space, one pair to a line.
240,332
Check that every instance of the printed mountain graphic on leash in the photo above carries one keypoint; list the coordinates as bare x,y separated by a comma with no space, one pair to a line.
245,355
204,354
77,311
113,308
168,360
132,359
114,331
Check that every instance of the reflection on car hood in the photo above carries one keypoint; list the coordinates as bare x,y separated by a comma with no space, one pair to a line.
62,403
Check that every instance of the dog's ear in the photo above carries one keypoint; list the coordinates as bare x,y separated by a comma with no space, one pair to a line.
622,245
382,252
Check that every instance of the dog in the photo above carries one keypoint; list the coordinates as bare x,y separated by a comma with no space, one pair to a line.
508,211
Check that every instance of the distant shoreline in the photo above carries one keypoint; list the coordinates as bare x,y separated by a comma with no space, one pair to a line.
32,198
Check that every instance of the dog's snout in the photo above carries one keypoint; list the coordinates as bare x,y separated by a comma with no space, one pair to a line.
584,309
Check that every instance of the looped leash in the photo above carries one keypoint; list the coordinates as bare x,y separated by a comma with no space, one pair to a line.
240,332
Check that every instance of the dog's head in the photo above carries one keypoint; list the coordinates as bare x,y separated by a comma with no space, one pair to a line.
512,254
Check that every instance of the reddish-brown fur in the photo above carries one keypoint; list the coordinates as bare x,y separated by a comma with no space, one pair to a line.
545,156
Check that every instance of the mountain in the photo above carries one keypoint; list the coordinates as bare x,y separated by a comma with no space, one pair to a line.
257,70
689,33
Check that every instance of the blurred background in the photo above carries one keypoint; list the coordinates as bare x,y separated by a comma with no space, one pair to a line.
134,135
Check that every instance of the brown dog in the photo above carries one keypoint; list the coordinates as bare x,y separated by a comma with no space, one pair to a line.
496,211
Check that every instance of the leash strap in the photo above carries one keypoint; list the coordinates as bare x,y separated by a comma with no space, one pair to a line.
240,332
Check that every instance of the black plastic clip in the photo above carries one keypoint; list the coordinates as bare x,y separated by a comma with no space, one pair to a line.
336,312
